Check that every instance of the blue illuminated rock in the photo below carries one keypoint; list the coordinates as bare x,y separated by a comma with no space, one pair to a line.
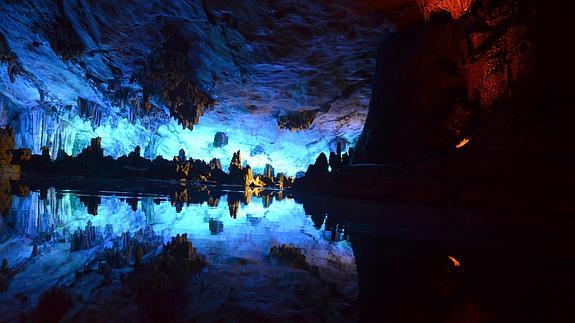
220,139
269,74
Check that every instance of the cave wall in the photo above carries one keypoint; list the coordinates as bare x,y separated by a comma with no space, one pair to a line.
497,72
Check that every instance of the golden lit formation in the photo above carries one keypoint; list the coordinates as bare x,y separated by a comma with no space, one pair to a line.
454,261
463,142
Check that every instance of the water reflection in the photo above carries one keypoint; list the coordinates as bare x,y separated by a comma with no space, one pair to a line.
202,212
410,263
48,228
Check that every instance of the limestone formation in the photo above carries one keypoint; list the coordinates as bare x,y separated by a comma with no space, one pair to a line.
236,163
269,171
215,164
283,181
220,139
62,36
346,158
168,75
182,155
127,248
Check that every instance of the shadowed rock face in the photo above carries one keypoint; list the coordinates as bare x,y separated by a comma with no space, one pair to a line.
486,74
132,72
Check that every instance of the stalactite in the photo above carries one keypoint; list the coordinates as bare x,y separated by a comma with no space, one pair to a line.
169,76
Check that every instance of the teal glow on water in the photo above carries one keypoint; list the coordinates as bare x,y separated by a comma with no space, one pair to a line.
257,226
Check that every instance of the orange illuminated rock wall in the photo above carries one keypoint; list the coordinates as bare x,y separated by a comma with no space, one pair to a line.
402,11
495,71
455,7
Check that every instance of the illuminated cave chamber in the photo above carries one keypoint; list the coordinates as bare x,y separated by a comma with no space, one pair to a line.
283,80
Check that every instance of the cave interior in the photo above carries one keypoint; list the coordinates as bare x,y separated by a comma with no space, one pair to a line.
286,160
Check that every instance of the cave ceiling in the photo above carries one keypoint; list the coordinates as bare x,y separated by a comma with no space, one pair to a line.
284,79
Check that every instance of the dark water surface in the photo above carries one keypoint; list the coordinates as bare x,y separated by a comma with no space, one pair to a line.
375,262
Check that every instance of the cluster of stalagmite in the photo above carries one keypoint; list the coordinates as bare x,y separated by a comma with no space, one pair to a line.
336,161
245,176
91,162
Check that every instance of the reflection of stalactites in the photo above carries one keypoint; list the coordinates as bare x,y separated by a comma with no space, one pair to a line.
178,205
251,191
213,201
335,231
91,203
279,195
148,209
179,199
233,206
85,239
318,219
248,196
133,202
267,200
